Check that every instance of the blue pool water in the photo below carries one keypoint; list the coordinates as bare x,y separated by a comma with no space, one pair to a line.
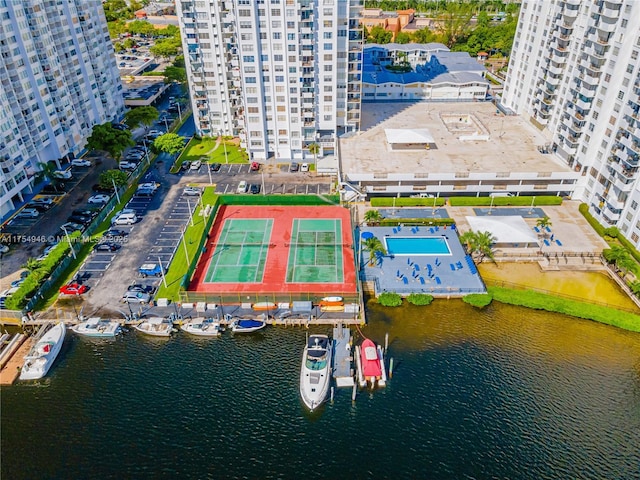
417,246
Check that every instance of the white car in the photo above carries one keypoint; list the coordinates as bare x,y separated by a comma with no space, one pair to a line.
304,167
195,165
43,200
99,198
136,297
242,187
62,174
148,186
127,166
192,191
28,213
124,219
79,162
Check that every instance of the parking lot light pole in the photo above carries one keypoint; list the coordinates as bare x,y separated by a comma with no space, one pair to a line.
184,243
164,279
263,192
115,189
208,167
190,213
224,145
179,112
73,252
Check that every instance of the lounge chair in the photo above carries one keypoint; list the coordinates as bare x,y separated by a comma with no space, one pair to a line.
421,280
536,229
405,280
459,265
547,229
546,242
438,281
558,242
453,267
432,230
416,267
395,230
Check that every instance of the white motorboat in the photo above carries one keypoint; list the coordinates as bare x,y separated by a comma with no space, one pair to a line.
205,327
39,360
96,327
247,325
156,326
315,374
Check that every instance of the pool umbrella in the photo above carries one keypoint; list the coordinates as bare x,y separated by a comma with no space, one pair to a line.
367,235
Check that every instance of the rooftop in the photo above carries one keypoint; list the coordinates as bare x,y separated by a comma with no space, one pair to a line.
490,142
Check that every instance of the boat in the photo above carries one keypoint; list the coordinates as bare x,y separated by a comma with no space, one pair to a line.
331,302
260,306
248,325
96,327
315,373
332,308
370,363
204,327
39,360
156,326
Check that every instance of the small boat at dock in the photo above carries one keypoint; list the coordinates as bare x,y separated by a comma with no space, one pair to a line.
315,373
98,328
247,325
370,364
331,302
155,326
204,327
261,306
39,360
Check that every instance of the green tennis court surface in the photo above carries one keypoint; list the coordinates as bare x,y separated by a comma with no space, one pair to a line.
315,253
241,252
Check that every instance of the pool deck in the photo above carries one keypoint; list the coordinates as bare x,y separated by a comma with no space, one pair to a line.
440,275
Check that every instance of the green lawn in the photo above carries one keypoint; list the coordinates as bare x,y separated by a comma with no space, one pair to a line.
205,150
193,235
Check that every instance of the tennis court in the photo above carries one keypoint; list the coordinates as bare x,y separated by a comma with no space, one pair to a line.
241,252
315,255
278,250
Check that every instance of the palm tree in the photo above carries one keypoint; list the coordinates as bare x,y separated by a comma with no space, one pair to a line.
372,217
543,223
468,238
32,264
314,149
375,248
484,245
615,253
625,265
47,173
635,287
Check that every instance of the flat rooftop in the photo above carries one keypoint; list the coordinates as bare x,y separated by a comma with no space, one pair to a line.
512,144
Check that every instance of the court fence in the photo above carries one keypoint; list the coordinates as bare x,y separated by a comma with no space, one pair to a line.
238,298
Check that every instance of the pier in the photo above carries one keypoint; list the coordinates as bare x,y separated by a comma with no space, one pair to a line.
342,357
12,353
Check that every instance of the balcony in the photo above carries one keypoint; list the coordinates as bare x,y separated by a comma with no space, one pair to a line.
606,25
570,14
583,104
553,81
612,14
556,69
624,185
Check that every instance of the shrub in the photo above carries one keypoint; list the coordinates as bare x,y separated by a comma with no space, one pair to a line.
390,299
612,232
420,298
392,222
406,202
479,300
279,199
551,303
584,210
503,201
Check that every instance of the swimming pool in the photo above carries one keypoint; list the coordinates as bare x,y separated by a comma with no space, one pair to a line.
417,246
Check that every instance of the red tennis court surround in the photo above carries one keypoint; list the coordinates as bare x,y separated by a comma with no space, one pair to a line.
278,245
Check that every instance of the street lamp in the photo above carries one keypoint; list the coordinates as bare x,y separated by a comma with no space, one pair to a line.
73,252
224,145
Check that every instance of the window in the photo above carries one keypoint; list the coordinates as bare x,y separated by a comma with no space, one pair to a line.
250,80
634,205
327,35
279,78
620,94
277,36
248,58
328,46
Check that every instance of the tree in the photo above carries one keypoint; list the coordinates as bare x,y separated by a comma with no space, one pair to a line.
108,139
378,34
543,223
314,149
483,19
424,35
166,48
116,28
455,22
129,43
479,244
403,37
46,172
175,74
626,265
615,253
170,143
141,27
109,177
31,264
118,47
375,248
141,115
372,217
635,288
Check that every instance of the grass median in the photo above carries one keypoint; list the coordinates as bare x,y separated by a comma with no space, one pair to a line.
192,236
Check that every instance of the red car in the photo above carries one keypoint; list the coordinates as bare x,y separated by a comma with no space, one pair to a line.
73,289
255,166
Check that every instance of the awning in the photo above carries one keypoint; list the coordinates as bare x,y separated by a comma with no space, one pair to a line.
409,136
505,229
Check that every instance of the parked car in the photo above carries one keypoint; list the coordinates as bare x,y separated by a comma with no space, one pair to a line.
151,270
242,187
254,188
45,253
125,219
87,212
120,126
41,207
154,133
17,283
215,167
71,226
304,167
185,166
193,191
28,213
136,297
136,154
100,189
80,219
54,189
195,165
64,174
43,200
294,167
73,289
150,289
255,166
116,233
80,162
107,247
99,198
124,165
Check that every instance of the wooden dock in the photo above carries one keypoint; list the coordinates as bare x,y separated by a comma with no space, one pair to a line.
342,357
11,369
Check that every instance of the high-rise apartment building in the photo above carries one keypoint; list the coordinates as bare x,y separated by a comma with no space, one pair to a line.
59,78
280,74
574,72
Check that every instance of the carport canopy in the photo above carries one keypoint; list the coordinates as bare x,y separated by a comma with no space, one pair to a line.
408,137
509,230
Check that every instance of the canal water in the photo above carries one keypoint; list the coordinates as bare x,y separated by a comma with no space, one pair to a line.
504,393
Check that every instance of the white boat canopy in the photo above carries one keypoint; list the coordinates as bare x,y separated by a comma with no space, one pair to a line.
509,231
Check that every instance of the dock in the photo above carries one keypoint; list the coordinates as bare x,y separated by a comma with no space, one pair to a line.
342,358
13,358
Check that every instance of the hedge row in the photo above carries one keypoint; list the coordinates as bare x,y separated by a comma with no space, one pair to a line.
406,202
584,210
550,303
602,231
392,222
280,200
504,201
479,300
37,276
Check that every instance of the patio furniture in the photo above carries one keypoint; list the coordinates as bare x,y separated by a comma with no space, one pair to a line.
438,281
536,229
459,265
558,242
453,267
421,280
546,242
405,280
